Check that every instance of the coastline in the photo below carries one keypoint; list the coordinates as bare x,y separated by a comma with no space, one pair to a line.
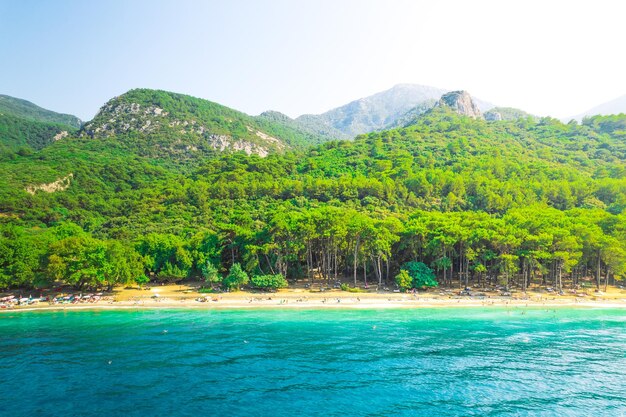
334,300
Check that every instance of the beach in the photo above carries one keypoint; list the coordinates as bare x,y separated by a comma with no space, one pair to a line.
188,296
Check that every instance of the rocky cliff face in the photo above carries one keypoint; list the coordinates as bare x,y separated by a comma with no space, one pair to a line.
461,102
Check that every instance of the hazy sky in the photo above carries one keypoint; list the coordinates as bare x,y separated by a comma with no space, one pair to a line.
554,58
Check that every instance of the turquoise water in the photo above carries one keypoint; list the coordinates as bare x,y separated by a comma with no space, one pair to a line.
434,362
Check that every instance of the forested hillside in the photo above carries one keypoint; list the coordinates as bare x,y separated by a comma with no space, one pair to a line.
509,202
175,126
23,136
26,110
26,127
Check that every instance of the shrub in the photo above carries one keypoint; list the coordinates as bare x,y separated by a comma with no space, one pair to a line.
236,277
421,275
404,280
210,273
269,281
346,287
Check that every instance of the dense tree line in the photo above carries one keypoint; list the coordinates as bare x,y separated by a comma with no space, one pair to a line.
534,245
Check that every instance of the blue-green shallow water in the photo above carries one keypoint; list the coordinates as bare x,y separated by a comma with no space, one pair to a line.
433,362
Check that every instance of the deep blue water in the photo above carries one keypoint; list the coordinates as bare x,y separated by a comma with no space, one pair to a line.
435,362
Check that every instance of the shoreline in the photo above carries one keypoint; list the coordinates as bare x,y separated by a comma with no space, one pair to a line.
344,304
188,297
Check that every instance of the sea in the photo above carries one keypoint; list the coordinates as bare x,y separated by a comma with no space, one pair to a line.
525,361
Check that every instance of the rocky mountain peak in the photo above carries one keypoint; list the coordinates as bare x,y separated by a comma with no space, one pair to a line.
461,102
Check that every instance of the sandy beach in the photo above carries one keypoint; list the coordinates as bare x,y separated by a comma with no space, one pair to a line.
188,296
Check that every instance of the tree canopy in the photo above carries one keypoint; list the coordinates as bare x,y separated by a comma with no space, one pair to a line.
506,203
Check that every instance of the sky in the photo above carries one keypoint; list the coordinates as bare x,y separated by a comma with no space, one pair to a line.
556,58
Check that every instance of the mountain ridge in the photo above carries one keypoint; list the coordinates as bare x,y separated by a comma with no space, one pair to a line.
25,109
383,110
615,106
182,124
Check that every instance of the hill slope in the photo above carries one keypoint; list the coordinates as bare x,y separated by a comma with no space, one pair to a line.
24,135
25,109
308,134
162,123
444,161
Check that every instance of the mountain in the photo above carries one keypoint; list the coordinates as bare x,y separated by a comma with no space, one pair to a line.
413,114
26,110
377,111
462,103
162,123
616,106
380,111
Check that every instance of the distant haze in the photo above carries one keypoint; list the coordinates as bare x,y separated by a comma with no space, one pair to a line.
555,58
616,106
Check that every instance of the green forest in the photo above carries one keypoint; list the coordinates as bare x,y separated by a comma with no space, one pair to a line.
513,203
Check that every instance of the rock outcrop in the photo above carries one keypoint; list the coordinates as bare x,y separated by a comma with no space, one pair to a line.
61,184
60,135
493,116
461,102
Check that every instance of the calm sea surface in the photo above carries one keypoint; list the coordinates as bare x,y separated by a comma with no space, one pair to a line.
435,362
